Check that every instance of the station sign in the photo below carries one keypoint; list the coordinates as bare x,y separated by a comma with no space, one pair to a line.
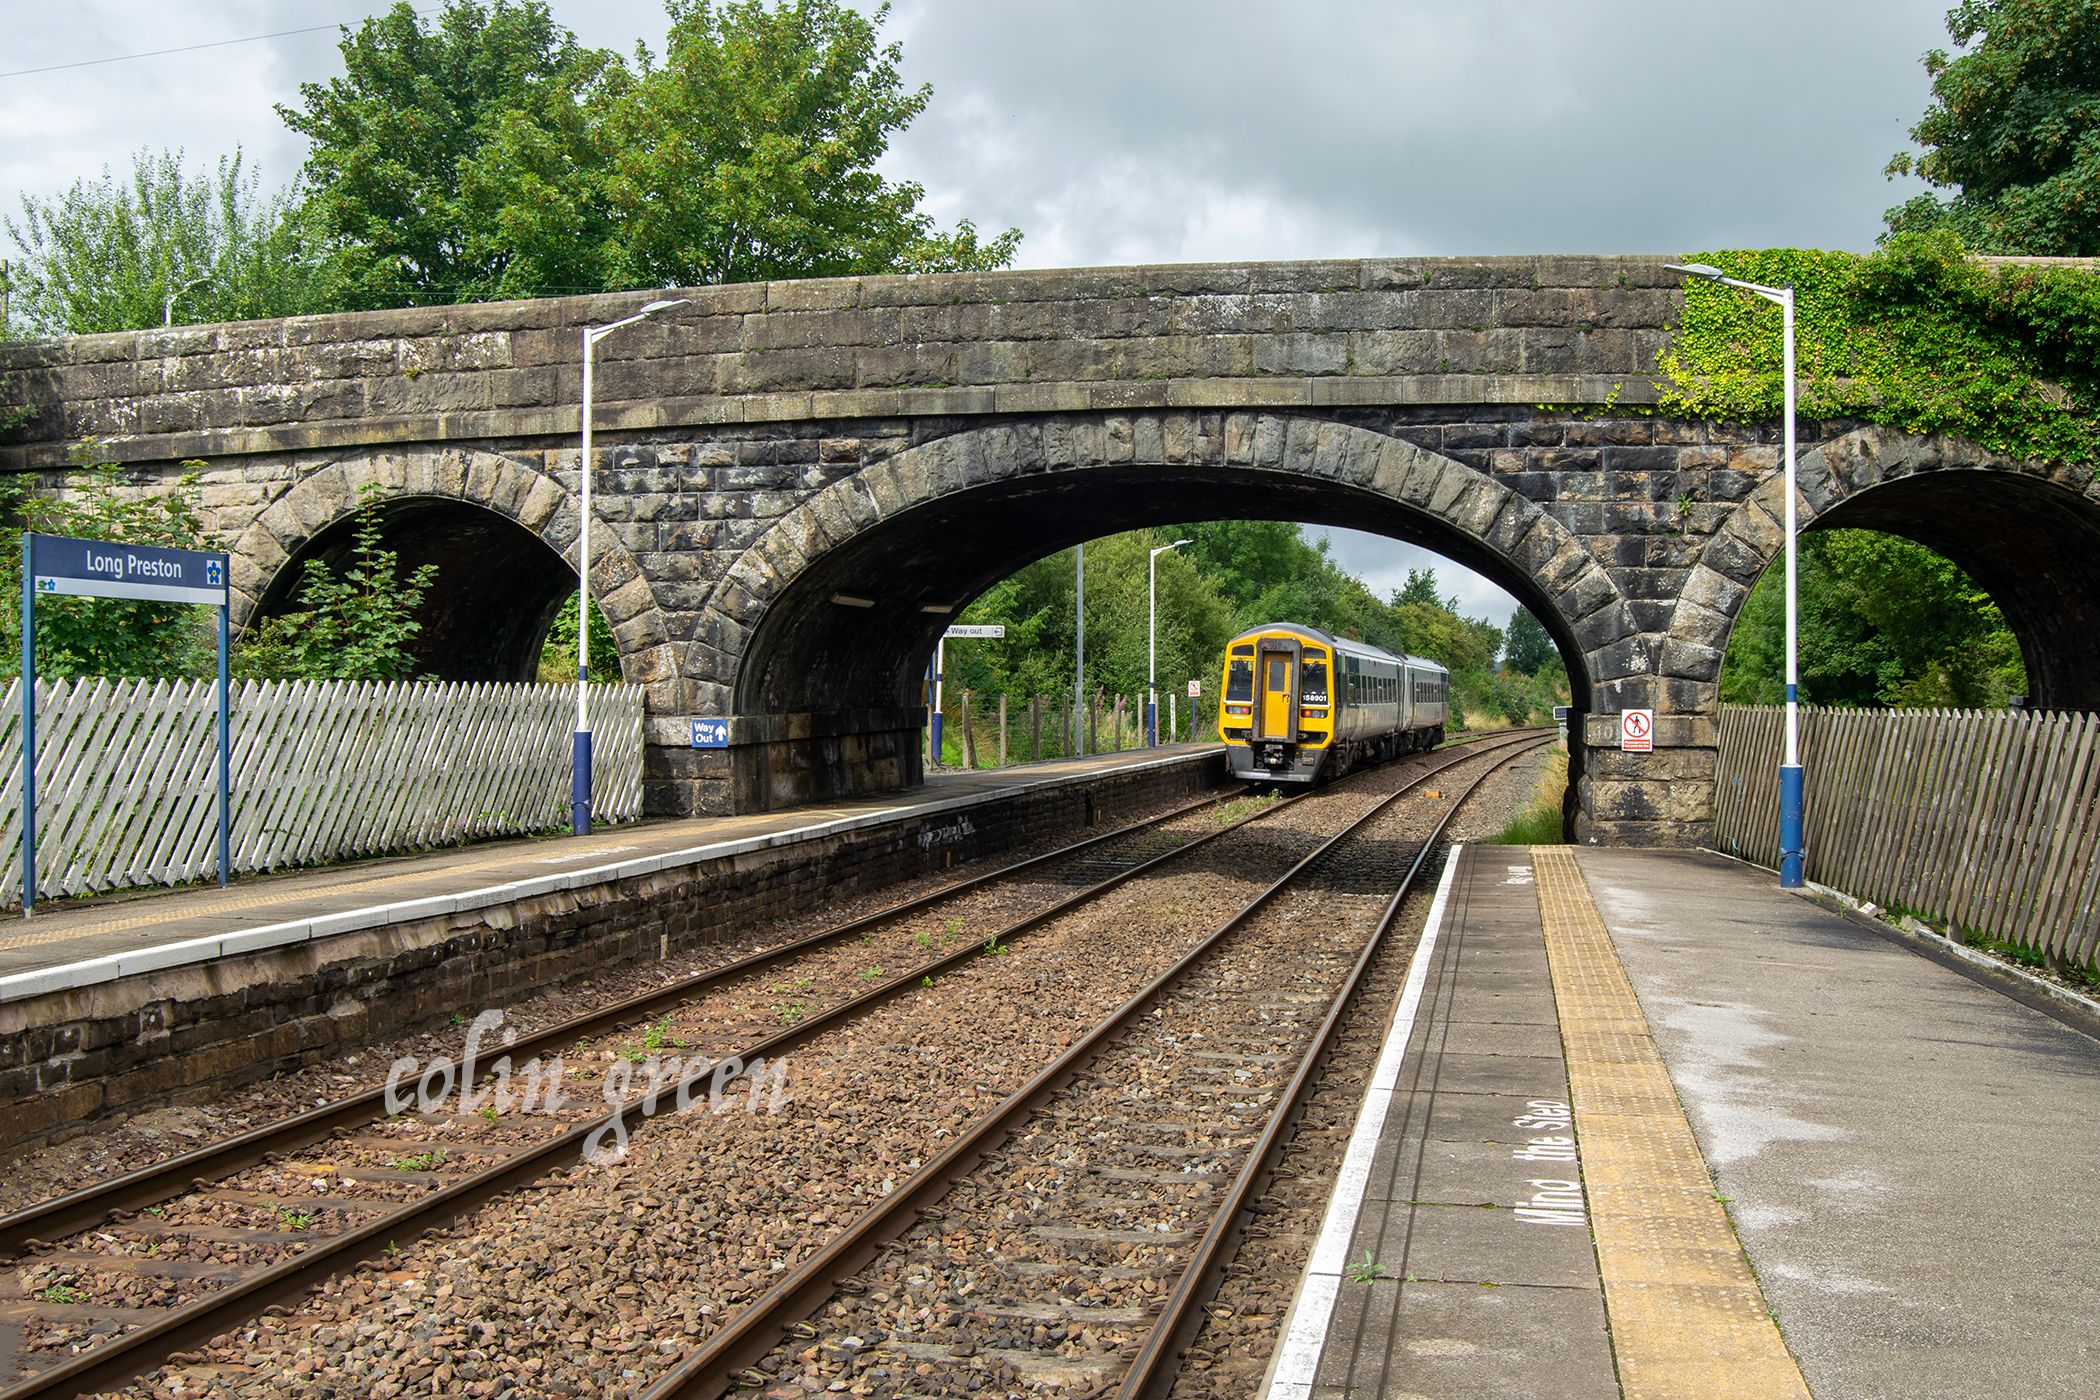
107,569
710,733
975,629
1637,731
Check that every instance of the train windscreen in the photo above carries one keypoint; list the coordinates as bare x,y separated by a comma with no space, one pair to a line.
1239,681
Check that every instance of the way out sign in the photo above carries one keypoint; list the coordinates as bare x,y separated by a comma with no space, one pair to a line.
1637,731
57,566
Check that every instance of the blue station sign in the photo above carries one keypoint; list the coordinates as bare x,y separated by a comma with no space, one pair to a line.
710,733
104,569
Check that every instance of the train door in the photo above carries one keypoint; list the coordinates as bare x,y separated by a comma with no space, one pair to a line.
1277,708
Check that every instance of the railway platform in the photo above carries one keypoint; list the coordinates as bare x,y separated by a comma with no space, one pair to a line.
126,1003
1645,1124
71,945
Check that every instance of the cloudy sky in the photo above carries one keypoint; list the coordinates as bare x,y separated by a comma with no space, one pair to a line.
1186,130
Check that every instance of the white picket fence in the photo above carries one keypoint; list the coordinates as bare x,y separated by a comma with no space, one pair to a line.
127,773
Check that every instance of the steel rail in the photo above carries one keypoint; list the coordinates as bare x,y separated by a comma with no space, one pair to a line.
124,1357
150,1185
1175,1327
720,1365
128,1355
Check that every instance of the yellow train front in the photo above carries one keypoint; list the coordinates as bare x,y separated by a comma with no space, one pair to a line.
1300,705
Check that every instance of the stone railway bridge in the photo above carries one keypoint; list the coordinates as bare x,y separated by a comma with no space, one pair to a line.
909,441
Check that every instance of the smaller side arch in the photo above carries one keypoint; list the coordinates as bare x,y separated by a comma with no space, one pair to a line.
512,526
2028,533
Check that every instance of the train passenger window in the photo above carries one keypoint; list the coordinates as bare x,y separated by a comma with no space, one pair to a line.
1279,674
1239,681
1312,683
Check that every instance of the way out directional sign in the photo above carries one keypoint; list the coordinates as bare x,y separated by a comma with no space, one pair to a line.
975,629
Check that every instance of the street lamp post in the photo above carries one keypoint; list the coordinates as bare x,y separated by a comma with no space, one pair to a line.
1790,781
167,309
1152,641
1079,653
580,760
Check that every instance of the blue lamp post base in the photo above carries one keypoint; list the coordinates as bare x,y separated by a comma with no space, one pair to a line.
1790,826
580,784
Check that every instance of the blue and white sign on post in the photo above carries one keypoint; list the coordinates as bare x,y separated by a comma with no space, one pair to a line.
56,566
710,733
101,569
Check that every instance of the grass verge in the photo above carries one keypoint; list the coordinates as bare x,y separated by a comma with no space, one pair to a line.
1540,823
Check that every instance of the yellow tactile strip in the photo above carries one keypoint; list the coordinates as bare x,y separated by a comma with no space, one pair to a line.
1687,1317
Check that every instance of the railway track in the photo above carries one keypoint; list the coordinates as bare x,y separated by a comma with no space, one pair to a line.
188,1249
1070,1238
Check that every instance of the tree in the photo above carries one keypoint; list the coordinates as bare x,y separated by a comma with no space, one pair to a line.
461,162
353,628
1883,622
492,155
751,153
2013,130
110,636
106,254
1530,648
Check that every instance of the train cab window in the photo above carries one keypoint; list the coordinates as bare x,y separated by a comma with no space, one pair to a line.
1312,683
1239,681
1279,674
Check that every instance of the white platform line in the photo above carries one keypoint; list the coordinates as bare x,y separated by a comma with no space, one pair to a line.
1297,1363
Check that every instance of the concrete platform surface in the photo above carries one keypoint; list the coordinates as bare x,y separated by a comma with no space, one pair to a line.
1913,1158
79,943
1635,1107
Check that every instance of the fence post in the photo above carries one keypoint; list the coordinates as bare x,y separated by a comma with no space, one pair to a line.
969,740
1002,729
1118,722
1093,723
1035,728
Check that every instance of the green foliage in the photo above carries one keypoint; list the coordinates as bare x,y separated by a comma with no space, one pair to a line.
1530,648
751,153
110,636
558,652
106,254
357,627
1883,622
1918,336
1541,823
492,155
1233,575
457,163
2013,130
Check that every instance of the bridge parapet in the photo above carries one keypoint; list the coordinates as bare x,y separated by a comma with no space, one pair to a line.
1516,330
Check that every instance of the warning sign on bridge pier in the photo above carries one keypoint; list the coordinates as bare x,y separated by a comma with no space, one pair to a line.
1637,731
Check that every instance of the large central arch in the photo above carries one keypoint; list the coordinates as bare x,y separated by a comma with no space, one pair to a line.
823,626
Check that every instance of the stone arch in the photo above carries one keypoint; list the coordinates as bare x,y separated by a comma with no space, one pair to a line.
924,531
451,482
2028,532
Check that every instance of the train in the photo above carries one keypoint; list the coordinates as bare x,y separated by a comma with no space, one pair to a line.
1298,705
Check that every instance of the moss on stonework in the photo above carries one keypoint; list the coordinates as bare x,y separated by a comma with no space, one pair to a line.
1919,336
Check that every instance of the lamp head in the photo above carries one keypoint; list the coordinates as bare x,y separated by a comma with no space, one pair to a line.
655,306
1179,543
1706,270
